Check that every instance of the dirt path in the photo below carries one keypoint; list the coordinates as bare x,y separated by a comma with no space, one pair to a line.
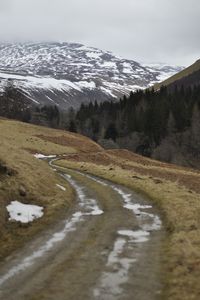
107,248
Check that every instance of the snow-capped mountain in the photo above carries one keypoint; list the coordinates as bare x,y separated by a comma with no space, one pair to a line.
67,74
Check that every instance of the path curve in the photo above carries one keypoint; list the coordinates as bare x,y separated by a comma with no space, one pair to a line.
107,248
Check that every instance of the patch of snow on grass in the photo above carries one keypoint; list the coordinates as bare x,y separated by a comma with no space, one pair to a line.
42,156
24,213
61,187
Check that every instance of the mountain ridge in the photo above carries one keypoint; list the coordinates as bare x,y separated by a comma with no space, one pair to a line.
68,74
176,78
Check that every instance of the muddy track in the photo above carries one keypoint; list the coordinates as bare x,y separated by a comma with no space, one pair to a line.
108,247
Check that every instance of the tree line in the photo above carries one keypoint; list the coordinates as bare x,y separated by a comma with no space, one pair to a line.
151,123
14,104
145,118
155,114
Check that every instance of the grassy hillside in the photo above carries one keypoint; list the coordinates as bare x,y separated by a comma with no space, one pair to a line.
184,73
175,190
21,171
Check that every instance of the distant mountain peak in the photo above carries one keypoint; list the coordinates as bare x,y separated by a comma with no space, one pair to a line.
67,74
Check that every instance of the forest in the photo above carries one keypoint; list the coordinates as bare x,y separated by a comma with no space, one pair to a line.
148,122
162,124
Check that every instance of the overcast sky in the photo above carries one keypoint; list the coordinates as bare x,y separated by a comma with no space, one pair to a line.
143,30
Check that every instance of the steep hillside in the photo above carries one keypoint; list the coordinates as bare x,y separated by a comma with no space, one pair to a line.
25,178
67,74
187,77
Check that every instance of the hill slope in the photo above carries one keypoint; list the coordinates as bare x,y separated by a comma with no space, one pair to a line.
187,77
174,189
25,178
67,74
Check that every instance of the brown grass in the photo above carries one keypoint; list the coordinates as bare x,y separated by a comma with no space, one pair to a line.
175,191
19,168
188,178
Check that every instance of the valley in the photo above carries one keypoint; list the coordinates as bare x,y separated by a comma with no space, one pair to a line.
99,150
109,222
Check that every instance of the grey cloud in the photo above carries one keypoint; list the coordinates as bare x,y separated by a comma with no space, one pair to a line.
145,30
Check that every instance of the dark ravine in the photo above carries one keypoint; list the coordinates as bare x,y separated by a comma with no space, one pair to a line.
108,247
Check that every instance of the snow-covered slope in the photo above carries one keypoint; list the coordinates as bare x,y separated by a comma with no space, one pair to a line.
68,74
